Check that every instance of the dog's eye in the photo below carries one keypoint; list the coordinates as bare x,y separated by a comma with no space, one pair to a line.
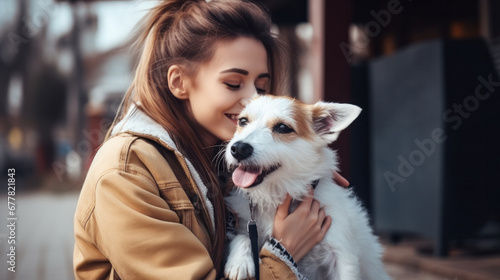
282,128
242,121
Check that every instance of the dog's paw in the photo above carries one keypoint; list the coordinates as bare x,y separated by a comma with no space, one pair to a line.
240,268
239,263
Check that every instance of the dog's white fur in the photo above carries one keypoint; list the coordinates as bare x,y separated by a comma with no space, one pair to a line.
349,250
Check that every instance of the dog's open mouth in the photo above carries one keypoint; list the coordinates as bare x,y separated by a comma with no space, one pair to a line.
250,176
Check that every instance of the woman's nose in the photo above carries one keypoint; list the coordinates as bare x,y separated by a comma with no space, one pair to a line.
247,97
244,101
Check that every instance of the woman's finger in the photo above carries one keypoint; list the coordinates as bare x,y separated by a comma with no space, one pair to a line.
315,206
340,180
306,203
326,226
321,216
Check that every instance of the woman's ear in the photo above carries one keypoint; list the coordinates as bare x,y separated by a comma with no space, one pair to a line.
177,82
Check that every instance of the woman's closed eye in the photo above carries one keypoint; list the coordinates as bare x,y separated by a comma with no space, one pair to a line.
232,86
237,86
261,85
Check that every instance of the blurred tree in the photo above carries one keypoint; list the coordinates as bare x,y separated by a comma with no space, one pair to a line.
46,107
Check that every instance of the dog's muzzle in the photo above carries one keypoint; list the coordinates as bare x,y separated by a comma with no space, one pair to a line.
241,150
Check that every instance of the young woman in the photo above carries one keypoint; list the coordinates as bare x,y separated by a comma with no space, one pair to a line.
152,204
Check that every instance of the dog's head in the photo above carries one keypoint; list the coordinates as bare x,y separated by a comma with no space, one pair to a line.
280,139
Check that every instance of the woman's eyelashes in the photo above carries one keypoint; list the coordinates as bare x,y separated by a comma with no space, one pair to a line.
232,86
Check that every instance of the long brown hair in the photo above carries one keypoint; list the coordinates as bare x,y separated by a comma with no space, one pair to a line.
187,33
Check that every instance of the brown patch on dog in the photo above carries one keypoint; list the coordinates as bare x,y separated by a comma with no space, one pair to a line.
317,112
288,137
302,124
302,115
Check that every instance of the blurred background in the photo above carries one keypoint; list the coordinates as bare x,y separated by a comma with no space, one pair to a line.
423,156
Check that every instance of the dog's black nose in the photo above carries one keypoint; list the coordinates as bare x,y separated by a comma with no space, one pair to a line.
241,150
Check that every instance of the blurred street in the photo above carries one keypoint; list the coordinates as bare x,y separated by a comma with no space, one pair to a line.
44,236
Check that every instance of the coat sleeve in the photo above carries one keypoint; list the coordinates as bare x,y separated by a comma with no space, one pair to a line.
276,264
136,231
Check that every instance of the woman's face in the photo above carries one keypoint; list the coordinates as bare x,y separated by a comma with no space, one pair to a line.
224,84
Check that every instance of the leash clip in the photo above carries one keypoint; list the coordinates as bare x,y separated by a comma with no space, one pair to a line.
250,224
253,207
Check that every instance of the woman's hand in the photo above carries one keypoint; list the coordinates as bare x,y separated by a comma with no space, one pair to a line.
301,230
340,180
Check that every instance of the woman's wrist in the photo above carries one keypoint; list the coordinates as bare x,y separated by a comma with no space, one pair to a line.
288,247
282,250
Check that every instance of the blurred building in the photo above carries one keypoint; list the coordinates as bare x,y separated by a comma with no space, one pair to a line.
64,68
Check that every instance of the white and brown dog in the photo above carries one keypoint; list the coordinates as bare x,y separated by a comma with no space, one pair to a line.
280,147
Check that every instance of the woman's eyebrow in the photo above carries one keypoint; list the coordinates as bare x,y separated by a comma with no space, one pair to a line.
244,72
236,70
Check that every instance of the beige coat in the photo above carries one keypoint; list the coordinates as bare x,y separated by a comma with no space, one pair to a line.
143,212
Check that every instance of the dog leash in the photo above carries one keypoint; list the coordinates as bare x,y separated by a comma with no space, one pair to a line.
254,238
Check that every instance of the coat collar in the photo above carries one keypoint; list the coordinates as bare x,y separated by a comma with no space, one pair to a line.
136,121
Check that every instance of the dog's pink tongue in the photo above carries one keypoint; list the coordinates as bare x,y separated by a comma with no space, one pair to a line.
245,177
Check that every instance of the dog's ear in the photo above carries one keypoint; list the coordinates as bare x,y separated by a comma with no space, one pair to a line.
330,119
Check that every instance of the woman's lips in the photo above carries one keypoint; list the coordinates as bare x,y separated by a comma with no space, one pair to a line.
232,117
